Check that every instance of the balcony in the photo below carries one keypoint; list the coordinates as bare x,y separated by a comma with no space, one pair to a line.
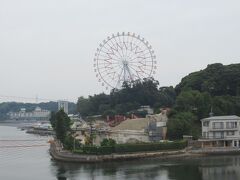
222,128
221,137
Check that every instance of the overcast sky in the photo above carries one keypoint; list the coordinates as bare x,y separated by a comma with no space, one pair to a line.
47,46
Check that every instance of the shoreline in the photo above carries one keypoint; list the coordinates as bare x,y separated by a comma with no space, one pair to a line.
59,154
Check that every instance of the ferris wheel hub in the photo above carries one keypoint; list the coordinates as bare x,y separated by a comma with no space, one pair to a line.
125,62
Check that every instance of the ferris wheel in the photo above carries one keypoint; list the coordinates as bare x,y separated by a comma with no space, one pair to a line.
124,57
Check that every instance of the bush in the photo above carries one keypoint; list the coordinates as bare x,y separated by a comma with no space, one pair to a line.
69,143
128,148
97,150
108,142
123,148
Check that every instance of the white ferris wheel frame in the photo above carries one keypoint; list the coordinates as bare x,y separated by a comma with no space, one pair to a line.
124,57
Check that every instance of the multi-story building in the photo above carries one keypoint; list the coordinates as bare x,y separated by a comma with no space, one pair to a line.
63,105
38,115
221,131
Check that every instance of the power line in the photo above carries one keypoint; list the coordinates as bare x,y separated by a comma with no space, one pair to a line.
32,99
26,98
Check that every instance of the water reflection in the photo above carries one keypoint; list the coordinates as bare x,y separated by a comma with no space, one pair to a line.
35,163
205,168
224,168
107,170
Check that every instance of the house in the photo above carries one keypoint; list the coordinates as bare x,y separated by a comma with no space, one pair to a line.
221,131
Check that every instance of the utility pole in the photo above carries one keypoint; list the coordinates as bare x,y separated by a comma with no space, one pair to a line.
36,99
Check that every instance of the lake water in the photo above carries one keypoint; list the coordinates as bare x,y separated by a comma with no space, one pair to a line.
26,157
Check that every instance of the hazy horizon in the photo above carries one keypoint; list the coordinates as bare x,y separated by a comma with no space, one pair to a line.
47,47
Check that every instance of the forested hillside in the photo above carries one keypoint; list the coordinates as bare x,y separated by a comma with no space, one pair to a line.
216,79
130,97
217,87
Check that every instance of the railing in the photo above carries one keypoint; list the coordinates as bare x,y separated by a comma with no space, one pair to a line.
231,127
219,137
215,137
222,128
215,127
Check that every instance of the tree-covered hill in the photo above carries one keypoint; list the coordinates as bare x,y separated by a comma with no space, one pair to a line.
129,98
6,107
215,88
216,79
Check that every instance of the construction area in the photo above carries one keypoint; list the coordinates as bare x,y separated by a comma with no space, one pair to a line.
152,128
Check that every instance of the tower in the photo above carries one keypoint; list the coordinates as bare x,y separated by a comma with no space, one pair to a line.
63,105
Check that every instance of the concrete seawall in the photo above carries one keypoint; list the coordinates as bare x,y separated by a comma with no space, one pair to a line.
216,151
59,154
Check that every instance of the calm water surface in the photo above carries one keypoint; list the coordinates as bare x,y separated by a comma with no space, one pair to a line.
24,156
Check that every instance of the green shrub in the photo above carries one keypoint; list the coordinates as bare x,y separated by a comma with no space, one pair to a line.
69,143
108,142
97,150
129,148
124,148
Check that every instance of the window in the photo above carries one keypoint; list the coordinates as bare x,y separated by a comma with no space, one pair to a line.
218,125
230,133
231,125
218,134
206,123
235,143
205,134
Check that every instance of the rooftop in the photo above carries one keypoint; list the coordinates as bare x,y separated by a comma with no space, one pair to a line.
232,117
139,124
132,124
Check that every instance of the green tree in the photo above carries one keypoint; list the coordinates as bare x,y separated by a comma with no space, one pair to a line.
183,123
195,102
108,142
216,79
129,98
62,125
53,119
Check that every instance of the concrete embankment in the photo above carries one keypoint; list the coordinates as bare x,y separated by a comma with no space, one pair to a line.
216,151
59,154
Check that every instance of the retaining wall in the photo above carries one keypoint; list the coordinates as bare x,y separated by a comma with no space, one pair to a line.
58,153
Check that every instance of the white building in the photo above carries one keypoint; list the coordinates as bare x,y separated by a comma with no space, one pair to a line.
148,109
63,105
38,114
221,131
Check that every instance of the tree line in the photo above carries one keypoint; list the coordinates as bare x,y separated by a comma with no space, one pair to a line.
217,87
129,98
